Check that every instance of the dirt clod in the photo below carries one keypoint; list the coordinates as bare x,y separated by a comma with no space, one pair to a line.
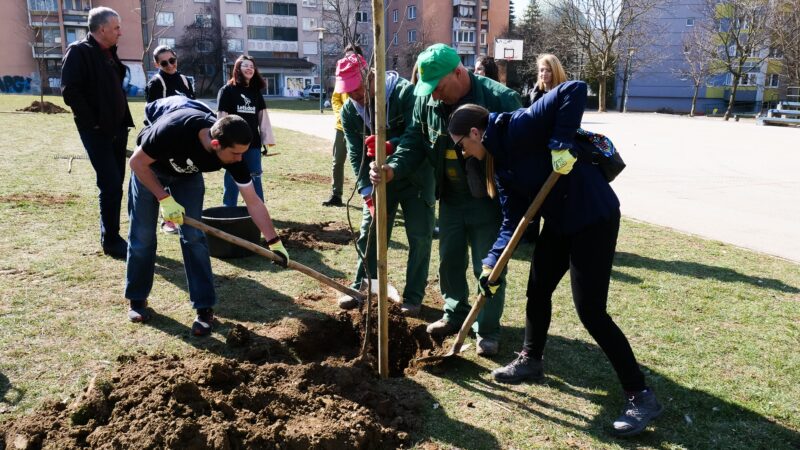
317,236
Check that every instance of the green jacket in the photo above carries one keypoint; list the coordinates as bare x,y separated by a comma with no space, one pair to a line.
398,117
428,137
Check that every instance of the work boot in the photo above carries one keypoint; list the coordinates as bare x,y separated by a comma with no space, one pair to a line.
441,328
334,200
138,312
116,248
521,369
487,346
348,302
410,310
640,408
204,322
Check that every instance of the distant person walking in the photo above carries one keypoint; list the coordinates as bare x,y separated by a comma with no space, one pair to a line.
168,81
241,96
91,84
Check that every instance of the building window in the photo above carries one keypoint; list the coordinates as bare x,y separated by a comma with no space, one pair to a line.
235,45
76,5
75,34
204,46
42,5
484,15
412,12
165,19
690,22
202,20
284,9
309,23
466,11
395,15
362,38
169,42
233,20
394,61
467,37
361,16
394,39
272,33
257,33
257,8
412,35
310,3
774,80
483,38
775,52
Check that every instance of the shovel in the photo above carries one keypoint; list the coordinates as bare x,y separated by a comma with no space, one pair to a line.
272,257
498,269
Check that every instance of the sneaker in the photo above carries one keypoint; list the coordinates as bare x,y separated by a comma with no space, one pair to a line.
203,323
138,312
487,346
348,302
169,227
410,310
441,328
521,369
116,248
640,408
334,200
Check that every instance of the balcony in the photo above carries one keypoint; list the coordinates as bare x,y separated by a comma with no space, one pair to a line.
464,48
266,20
263,45
465,3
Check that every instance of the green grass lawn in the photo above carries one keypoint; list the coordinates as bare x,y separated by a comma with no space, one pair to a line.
715,327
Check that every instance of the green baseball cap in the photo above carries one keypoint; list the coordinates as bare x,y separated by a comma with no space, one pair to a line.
433,64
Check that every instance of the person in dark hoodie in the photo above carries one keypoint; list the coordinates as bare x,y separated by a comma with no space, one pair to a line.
91,84
581,222
168,81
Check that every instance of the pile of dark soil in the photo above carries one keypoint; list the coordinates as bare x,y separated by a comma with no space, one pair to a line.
317,236
45,107
295,384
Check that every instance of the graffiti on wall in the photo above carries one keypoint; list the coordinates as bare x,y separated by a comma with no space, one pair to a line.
15,84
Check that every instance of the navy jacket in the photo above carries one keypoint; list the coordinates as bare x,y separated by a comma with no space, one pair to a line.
89,85
520,143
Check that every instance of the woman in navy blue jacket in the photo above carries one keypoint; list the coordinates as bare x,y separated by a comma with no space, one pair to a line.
581,222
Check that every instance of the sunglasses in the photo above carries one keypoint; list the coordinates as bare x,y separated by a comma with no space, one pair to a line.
170,61
459,147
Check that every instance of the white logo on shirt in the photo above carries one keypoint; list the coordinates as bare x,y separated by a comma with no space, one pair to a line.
190,167
247,108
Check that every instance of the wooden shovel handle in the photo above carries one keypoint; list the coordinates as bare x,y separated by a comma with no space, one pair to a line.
505,257
272,257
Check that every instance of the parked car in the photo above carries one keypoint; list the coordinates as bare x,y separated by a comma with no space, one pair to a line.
312,91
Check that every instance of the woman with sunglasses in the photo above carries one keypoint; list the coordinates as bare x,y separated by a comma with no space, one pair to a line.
581,222
168,81
241,96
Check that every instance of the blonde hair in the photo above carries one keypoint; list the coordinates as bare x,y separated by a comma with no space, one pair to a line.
559,75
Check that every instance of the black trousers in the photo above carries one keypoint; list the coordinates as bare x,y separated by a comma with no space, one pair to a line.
588,255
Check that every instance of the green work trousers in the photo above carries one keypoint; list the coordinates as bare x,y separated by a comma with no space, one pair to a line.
418,216
466,222
339,154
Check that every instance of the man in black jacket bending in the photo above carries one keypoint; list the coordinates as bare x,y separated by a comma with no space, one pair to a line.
91,83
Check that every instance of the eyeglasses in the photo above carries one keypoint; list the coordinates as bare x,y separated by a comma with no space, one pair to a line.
170,61
459,147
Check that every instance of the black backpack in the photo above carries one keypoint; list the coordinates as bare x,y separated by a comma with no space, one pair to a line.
598,150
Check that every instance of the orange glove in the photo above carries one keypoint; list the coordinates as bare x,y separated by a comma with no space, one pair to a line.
370,143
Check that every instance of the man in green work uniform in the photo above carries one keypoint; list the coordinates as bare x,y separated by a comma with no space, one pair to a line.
415,194
468,217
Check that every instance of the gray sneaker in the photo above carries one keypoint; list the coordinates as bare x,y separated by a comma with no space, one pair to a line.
487,346
441,328
640,408
521,369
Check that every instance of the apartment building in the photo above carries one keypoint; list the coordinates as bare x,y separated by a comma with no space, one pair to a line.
469,26
36,34
660,87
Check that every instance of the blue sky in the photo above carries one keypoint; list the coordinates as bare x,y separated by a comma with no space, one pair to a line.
519,7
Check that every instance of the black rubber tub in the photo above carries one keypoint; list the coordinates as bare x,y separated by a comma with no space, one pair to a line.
233,220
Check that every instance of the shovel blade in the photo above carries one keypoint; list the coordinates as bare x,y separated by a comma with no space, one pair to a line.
435,358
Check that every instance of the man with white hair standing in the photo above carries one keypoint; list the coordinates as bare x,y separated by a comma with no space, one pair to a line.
91,84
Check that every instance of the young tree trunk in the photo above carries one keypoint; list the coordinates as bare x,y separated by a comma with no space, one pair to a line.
732,99
601,94
694,99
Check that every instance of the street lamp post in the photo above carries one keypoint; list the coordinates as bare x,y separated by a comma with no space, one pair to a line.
321,69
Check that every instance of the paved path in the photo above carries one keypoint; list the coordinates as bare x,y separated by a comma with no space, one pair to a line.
731,181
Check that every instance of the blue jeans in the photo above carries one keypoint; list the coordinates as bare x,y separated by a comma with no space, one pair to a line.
107,155
143,210
230,191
